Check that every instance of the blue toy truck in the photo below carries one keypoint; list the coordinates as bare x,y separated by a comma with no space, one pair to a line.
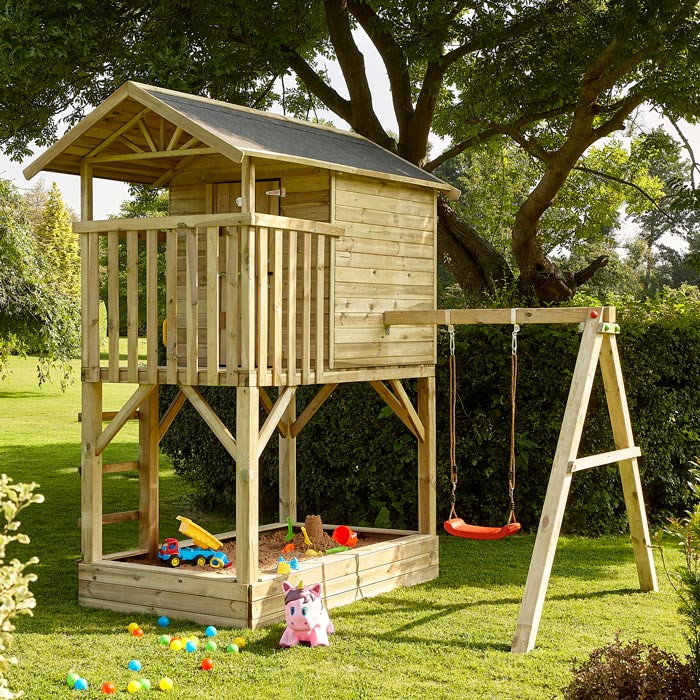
171,553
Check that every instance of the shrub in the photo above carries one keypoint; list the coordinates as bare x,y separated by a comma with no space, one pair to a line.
15,596
633,670
356,460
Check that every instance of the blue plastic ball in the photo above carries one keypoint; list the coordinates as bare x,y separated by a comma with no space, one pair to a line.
81,684
210,631
163,621
190,646
134,665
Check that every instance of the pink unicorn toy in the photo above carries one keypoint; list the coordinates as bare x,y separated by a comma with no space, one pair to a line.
307,618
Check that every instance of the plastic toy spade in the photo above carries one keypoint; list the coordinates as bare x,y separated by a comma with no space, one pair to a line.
290,533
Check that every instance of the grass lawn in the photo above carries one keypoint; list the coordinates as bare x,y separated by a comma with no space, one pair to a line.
449,638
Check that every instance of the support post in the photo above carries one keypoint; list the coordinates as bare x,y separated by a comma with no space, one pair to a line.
288,466
148,473
91,473
247,274
247,430
557,490
427,512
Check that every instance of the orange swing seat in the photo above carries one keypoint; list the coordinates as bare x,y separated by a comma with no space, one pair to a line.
458,528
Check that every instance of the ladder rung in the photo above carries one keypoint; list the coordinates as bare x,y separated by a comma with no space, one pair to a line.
119,467
109,415
123,517
582,463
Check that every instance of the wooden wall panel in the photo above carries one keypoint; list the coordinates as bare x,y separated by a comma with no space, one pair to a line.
385,261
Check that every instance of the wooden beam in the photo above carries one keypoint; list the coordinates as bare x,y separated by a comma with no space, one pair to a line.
213,304
122,416
109,415
161,223
171,413
123,517
130,144
115,135
152,326
308,413
211,419
148,473
427,477
274,417
147,135
395,405
299,225
174,138
574,314
171,359
91,473
581,463
267,404
148,155
132,305
288,465
116,467
402,396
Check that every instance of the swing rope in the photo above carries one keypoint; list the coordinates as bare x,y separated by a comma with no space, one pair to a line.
454,524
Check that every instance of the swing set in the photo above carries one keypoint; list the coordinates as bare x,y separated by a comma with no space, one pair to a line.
598,347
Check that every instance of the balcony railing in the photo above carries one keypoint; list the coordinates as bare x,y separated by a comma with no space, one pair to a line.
243,294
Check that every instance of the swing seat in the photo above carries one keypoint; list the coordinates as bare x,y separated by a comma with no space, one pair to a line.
458,528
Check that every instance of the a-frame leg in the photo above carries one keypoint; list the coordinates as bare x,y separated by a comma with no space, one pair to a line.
91,473
557,490
629,471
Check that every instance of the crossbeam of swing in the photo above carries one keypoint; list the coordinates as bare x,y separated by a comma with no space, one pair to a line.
435,317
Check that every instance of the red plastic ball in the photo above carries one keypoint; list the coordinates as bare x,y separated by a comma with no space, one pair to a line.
138,632
207,664
594,314
109,688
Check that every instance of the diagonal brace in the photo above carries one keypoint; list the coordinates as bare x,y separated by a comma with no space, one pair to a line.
211,419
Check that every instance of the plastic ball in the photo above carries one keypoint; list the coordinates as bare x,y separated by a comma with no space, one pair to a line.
165,684
163,621
190,646
232,649
109,688
207,664
145,683
134,665
138,632
165,639
133,686
211,631
71,678
210,645
133,626
80,684
239,642
193,639
176,645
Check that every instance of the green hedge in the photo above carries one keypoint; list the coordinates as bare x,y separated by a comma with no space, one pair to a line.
357,462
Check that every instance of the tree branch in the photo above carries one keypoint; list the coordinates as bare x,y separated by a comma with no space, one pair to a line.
688,147
461,147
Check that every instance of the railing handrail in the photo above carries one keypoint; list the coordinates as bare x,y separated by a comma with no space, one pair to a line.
196,220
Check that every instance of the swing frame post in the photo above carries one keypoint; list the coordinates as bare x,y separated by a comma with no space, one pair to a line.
598,346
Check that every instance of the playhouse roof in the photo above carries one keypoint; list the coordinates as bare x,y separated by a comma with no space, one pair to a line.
230,130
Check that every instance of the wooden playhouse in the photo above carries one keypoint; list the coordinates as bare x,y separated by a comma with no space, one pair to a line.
293,254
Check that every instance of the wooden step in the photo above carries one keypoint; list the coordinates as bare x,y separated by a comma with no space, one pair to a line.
120,467
109,415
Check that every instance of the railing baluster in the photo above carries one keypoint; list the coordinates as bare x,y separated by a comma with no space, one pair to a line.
90,262
212,305
132,306
192,307
171,306
262,305
306,311
232,244
292,310
113,304
152,306
320,304
276,322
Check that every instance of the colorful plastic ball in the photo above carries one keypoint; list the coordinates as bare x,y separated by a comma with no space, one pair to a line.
165,639
210,645
133,686
239,642
232,649
109,688
138,632
165,684
134,665
71,678
176,645
193,639
163,621
211,631
145,683
207,664
80,684
133,626
190,646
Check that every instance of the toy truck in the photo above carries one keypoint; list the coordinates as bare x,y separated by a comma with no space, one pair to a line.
172,553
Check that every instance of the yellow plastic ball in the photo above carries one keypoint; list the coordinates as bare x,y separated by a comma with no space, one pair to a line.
165,684
133,626
239,642
194,640
133,687
176,645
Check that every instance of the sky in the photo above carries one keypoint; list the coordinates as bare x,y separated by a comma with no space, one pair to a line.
108,195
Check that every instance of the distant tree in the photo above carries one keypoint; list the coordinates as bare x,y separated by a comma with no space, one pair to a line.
35,315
